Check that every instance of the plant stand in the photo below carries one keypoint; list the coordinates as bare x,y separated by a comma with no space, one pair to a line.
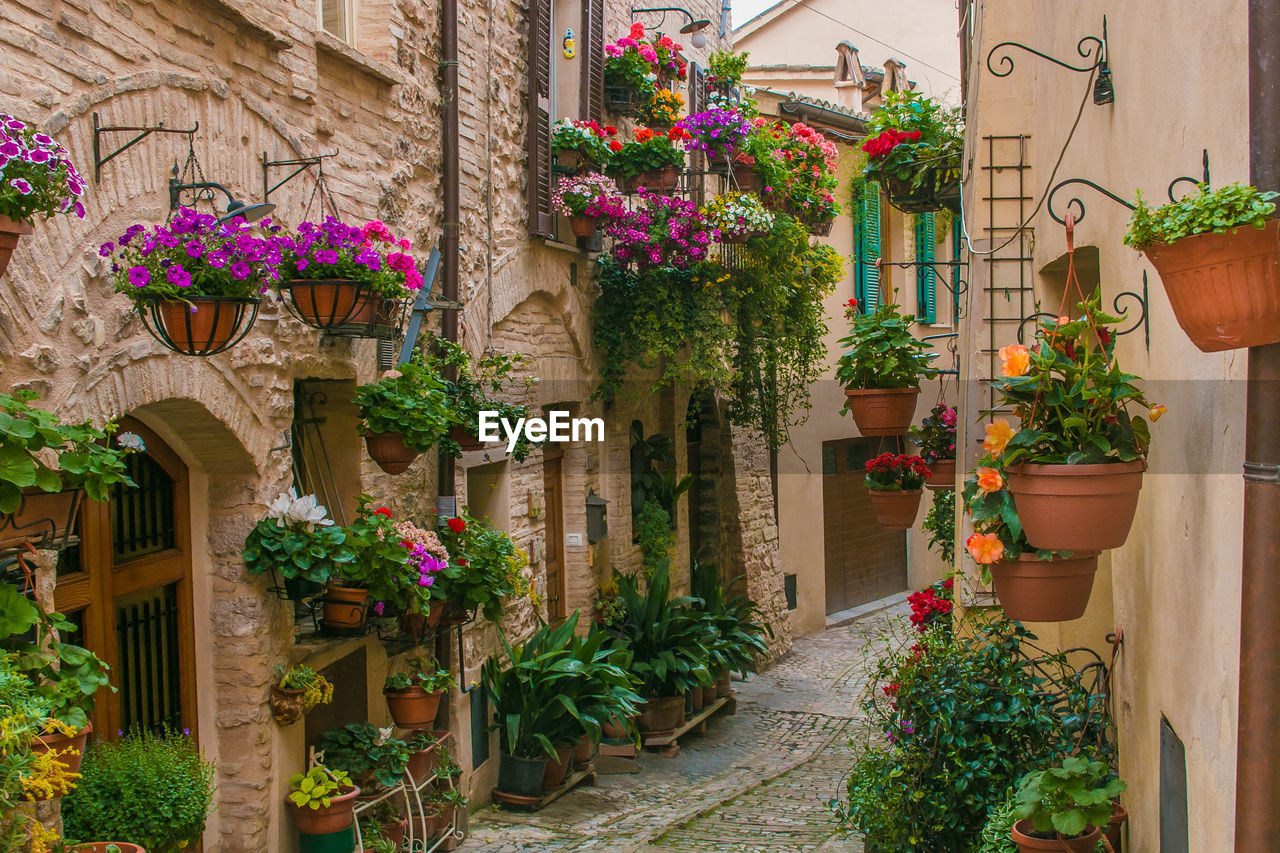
411,791
619,748
668,744
585,776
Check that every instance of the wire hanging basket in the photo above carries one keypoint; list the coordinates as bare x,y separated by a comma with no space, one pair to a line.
45,521
372,316
201,326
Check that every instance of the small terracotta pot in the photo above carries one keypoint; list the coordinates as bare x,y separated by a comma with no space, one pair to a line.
708,695
345,607
1086,843
465,440
389,451
695,699
338,815
661,714
582,226
658,180
1076,507
582,752
556,768
213,324
1032,590
42,518
422,764
444,823
882,411
895,510
395,831
943,477
747,178
416,625
570,159
413,707
1224,288
104,846
322,303
428,824
1118,818
10,232
724,686
55,742
287,706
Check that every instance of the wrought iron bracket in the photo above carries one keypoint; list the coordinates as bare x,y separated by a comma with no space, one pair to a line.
1139,301
957,289
1090,48
299,165
1076,206
143,132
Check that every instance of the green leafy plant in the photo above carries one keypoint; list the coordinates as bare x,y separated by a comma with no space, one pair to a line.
23,772
316,689
409,401
995,833
940,524
881,352
740,635
726,67
451,796
422,673
297,539
317,788
150,789
381,563
647,151
668,640
485,567
373,838
654,536
367,754
30,435
1207,211
1065,801
914,141
476,388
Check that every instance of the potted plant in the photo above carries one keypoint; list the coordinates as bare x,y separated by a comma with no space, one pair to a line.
580,144
1075,462
936,438
736,632
370,756
38,500
296,691
630,78
25,773
737,217
652,159
422,746
299,544
413,697
486,567
479,385
1218,256
940,523
153,789
914,148
414,592
881,368
893,480
449,801
323,801
720,134
797,166
404,413
1065,807
663,111
378,571
345,279
36,176
195,282
725,69
374,838
662,231
584,199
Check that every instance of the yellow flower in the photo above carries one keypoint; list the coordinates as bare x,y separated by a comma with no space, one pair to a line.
1014,360
998,434
1157,411
985,548
989,480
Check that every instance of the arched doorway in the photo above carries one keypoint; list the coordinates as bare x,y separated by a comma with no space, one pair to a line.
127,587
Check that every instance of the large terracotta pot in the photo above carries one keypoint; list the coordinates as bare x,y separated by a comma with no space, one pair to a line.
389,451
10,232
321,303
337,816
1118,817
55,742
556,768
413,707
1032,590
660,714
582,226
1224,288
42,518
943,477
1086,843
345,607
1076,507
724,687
882,411
213,325
896,510
582,752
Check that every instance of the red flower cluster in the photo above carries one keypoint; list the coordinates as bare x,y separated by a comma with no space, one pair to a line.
457,525
597,128
878,146
897,462
383,511
675,134
927,604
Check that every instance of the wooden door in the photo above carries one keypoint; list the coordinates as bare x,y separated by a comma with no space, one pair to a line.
864,561
127,586
551,488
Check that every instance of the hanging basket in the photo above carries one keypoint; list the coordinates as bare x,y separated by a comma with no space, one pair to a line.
943,477
882,411
374,316
322,303
622,100
569,161
656,180
1034,590
201,326
287,706
895,510
45,520
1076,507
1224,288
10,232
389,451
465,439
821,228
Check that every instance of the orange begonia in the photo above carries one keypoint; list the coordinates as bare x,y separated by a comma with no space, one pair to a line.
998,434
1157,411
989,480
1015,360
985,548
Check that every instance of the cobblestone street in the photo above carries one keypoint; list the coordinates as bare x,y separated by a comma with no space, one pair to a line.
757,781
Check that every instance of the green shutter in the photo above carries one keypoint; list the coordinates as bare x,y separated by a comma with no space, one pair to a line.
926,273
867,229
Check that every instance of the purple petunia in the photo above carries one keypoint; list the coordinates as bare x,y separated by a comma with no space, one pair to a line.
106,249
139,276
240,270
178,276
194,249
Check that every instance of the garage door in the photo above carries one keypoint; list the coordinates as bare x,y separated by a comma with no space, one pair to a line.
864,561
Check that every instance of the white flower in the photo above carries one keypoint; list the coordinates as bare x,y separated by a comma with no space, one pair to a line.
383,734
291,509
131,441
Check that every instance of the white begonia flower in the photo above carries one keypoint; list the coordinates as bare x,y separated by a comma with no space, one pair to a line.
383,734
291,509
131,441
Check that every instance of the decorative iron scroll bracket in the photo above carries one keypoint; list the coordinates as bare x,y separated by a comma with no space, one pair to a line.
143,132
958,288
299,165
1090,48
1076,206
1139,301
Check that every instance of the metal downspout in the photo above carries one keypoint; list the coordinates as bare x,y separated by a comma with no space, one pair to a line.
450,178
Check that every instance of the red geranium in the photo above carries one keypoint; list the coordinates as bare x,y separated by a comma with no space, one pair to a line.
457,525
383,511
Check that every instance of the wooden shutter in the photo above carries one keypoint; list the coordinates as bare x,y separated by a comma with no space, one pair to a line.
867,226
926,274
697,88
591,54
541,222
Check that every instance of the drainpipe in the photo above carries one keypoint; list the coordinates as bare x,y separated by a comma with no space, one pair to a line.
1257,763
449,143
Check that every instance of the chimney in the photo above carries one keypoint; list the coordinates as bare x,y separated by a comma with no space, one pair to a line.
895,76
850,82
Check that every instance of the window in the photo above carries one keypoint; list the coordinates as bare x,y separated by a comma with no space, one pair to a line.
866,243
338,18
926,273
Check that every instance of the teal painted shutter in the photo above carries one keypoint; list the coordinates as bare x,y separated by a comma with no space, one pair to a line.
926,274
957,245
867,225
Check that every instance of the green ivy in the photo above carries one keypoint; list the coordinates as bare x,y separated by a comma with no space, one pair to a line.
1215,211
940,524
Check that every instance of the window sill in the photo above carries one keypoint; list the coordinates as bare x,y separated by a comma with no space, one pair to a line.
270,32
339,49
564,247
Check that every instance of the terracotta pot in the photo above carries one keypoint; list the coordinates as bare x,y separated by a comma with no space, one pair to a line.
428,824
417,625
695,700
882,411
1224,288
570,160
1086,843
113,846
395,831
724,686
209,329
1118,818
55,742
658,180
422,764
1032,590
42,518
389,451
556,768
661,714
287,706
413,707
943,477
465,440
10,232
708,695
746,178
582,752
895,510
322,303
345,607
615,729
734,239
821,228
582,226
444,823
337,816
1076,507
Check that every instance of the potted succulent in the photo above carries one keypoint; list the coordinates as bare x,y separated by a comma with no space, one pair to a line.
370,756
584,199
379,571
893,481
485,568
299,544
630,78
580,144
1075,462
404,413
881,368
413,697
323,801
1065,807
296,691
914,148
936,438
651,159
36,176
737,217
195,282
662,231
345,279
1218,256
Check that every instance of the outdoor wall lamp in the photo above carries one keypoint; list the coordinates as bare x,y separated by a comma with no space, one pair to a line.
1089,48
204,190
693,28
597,517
